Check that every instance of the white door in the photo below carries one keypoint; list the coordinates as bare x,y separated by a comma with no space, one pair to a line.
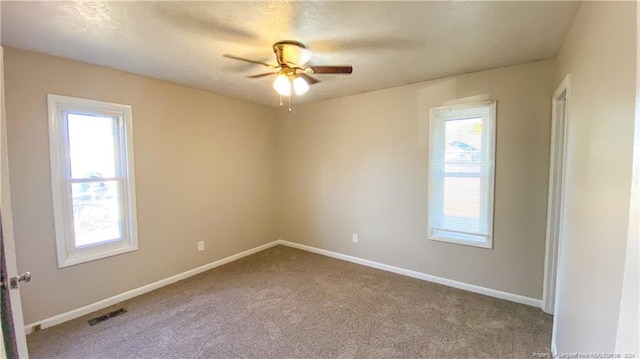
15,342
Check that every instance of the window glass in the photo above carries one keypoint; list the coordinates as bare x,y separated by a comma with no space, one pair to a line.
96,212
92,146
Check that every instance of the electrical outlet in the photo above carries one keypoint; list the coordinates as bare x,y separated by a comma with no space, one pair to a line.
201,246
355,238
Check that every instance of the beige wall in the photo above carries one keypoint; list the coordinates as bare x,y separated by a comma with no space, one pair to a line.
204,171
599,52
359,165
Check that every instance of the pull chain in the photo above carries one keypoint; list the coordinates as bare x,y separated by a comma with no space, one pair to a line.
289,104
281,101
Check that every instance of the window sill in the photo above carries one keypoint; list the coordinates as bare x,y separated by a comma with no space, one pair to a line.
92,254
488,244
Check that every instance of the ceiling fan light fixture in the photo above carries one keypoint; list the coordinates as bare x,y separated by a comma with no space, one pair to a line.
282,85
300,86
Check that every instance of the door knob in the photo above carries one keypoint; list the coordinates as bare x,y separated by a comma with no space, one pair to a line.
13,282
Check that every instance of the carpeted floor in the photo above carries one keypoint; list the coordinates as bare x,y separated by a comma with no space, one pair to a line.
287,303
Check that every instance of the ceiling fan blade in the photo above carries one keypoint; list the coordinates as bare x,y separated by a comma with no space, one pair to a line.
310,80
262,75
251,61
331,69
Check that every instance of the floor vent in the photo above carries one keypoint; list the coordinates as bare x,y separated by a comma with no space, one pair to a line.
107,316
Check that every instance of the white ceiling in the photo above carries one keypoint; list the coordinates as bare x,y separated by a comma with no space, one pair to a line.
388,43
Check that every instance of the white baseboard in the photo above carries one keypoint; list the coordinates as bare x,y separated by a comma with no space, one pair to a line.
409,273
76,313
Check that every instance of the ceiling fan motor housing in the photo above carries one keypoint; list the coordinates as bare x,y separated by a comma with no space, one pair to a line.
291,53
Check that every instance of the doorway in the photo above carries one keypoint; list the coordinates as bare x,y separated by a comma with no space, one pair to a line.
557,161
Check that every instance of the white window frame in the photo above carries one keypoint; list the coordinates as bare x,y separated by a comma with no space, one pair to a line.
61,181
436,178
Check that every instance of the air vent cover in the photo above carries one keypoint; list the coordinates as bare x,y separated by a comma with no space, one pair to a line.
107,316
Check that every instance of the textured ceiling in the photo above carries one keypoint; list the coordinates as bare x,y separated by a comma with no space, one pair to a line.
388,43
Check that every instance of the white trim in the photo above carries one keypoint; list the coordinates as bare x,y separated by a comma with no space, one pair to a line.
487,243
76,313
468,100
555,204
418,275
554,349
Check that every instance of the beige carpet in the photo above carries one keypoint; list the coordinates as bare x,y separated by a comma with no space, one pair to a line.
287,303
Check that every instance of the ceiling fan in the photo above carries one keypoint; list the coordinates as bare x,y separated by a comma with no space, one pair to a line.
293,72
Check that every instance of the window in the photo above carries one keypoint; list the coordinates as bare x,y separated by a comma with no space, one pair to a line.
92,179
461,171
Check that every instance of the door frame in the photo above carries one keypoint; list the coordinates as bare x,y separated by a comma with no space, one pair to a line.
7,225
557,190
